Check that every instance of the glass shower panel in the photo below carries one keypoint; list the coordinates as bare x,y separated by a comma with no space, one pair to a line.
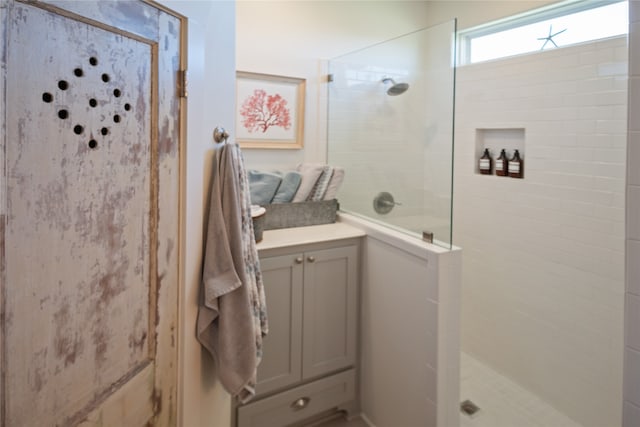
396,142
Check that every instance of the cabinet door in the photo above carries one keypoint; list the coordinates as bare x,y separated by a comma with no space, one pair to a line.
281,359
330,310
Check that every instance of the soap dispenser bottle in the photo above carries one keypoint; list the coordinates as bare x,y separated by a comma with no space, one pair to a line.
484,163
515,166
502,164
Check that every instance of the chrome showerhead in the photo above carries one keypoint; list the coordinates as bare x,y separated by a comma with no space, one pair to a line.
396,88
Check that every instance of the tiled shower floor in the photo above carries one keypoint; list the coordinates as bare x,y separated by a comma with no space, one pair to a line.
502,402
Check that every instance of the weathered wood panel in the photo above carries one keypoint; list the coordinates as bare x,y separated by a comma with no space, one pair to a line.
90,286
130,405
134,17
78,255
168,173
3,82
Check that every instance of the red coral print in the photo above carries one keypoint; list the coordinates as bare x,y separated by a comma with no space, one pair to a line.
261,111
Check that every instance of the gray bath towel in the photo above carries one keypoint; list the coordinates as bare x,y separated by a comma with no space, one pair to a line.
232,313
264,186
288,187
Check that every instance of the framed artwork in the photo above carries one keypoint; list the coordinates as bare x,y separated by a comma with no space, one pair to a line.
270,111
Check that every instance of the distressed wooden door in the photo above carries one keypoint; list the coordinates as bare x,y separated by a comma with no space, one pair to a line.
90,200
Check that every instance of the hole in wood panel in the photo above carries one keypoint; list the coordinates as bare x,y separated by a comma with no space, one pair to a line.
469,408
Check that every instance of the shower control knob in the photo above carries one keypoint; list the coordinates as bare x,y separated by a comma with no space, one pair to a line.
383,203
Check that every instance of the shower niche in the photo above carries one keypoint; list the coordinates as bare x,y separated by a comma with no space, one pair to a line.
497,139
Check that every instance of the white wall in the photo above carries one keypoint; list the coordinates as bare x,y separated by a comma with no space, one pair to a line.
211,101
471,13
409,351
543,258
631,409
296,38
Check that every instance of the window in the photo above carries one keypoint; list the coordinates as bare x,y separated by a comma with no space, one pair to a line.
555,26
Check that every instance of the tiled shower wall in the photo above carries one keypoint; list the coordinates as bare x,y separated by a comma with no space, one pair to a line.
631,409
543,258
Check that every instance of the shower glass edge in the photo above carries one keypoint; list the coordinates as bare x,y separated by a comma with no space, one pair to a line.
396,143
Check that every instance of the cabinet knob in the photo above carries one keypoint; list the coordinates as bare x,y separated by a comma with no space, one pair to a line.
300,403
311,258
299,260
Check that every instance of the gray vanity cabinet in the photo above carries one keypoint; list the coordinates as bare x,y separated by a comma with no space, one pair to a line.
309,355
281,363
330,310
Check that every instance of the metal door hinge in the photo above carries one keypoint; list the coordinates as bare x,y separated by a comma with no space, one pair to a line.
182,83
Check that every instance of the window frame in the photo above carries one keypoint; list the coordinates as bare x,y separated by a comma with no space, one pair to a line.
544,13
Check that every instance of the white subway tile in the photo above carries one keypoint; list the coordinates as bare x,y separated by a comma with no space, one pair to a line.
617,97
634,11
633,212
633,267
597,56
607,212
632,376
609,170
580,127
610,155
621,82
632,321
634,104
612,126
633,156
634,45
595,112
630,412
619,141
613,68
596,84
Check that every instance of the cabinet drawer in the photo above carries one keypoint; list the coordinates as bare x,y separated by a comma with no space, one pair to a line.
299,403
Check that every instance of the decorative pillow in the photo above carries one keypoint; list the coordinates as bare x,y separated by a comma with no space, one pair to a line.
310,173
262,186
335,183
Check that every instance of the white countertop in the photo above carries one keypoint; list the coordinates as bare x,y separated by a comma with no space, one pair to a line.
284,237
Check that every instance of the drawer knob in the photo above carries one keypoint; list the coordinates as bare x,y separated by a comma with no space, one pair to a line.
300,403
311,259
299,260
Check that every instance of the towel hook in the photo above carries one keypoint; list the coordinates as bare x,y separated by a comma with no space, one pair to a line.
220,135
